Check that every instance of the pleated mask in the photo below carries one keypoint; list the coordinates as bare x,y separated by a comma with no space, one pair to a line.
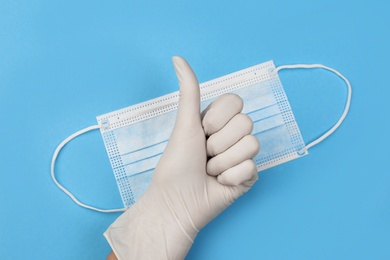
135,137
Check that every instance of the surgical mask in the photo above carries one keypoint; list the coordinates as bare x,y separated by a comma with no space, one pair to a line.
135,137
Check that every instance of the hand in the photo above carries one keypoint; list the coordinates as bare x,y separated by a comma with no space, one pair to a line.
205,167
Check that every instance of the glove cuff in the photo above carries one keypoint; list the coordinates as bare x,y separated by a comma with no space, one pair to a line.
148,232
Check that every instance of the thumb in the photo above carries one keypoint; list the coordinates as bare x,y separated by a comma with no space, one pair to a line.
188,114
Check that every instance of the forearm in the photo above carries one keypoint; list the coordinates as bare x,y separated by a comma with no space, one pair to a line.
141,233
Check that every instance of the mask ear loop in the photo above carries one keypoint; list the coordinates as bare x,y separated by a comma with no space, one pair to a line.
347,104
67,192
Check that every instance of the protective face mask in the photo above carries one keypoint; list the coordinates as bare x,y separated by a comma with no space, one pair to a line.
135,137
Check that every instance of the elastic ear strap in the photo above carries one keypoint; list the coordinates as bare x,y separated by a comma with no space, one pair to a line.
347,104
53,162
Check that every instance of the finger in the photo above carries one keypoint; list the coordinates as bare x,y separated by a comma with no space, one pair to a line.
238,174
249,183
244,149
238,127
219,112
188,114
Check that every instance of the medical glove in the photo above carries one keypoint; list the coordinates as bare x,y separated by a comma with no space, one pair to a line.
205,167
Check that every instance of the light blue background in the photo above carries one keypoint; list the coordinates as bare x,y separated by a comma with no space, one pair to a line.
64,62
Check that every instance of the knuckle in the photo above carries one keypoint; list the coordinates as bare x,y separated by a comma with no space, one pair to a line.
235,97
252,169
232,100
250,165
247,172
208,124
253,145
212,128
245,122
237,101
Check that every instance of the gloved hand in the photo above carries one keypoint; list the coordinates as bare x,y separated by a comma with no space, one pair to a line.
205,167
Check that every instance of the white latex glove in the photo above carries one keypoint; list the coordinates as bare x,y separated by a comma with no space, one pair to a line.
205,167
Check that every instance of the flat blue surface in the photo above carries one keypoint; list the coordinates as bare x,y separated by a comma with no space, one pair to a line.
64,62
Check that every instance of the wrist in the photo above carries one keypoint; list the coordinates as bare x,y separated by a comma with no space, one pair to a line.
148,230
174,224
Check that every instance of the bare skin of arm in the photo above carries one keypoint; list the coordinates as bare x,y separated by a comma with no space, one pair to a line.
111,256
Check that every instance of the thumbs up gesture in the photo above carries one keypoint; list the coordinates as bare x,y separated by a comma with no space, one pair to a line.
205,167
